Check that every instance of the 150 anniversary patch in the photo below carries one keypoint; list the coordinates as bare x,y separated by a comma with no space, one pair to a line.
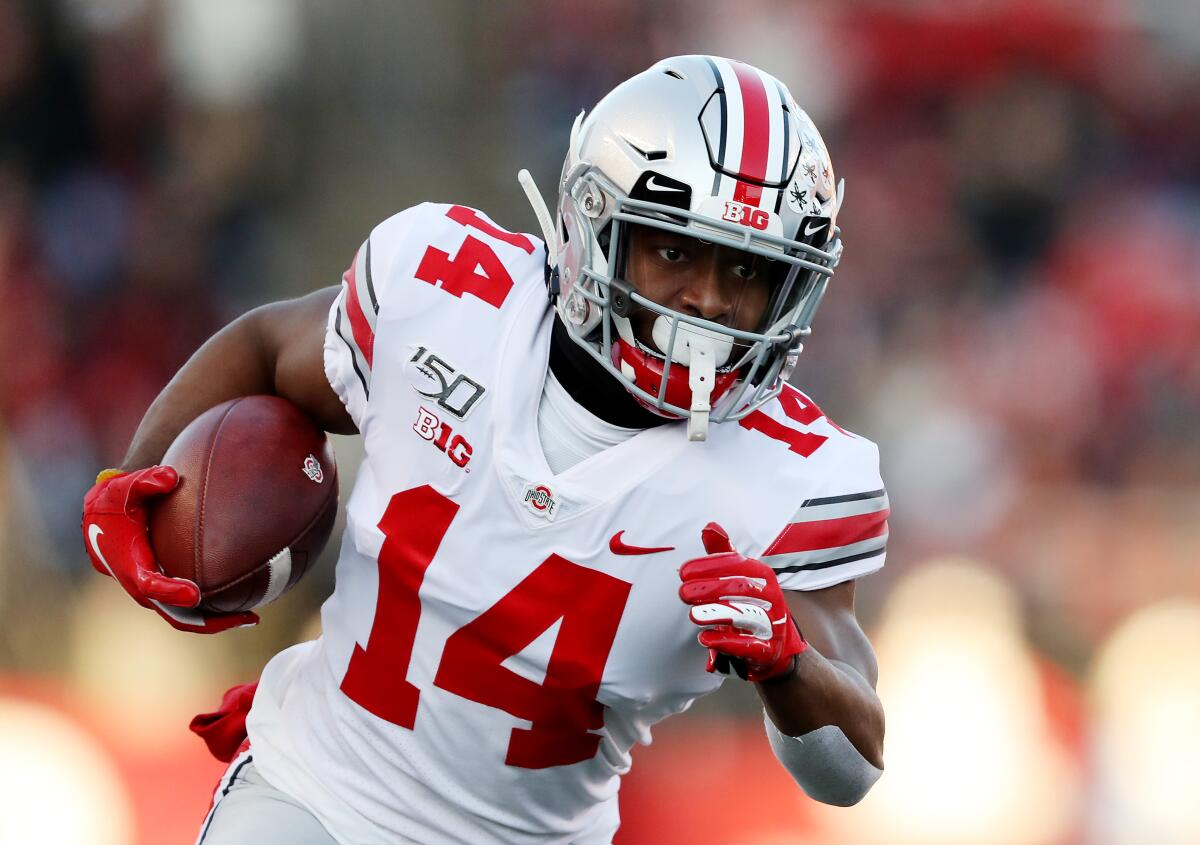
436,379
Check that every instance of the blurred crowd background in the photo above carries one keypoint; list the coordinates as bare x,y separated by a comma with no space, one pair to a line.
1016,321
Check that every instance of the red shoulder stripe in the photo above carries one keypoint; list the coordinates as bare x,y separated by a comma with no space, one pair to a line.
829,533
363,336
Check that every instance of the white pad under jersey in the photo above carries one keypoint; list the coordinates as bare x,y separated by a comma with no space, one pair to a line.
569,432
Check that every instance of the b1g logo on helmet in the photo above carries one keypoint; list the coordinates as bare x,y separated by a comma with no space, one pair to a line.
312,468
436,379
540,500
747,215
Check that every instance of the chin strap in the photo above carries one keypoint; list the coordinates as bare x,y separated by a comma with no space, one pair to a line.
702,371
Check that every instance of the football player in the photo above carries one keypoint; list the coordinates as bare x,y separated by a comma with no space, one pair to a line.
581,456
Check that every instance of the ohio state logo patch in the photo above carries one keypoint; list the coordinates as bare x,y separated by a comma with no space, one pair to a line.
312,468
540,501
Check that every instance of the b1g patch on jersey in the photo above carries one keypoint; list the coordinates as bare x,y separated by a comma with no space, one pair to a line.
540,501
435,378
441,435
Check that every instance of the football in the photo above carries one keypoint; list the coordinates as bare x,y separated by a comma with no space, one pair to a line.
256,501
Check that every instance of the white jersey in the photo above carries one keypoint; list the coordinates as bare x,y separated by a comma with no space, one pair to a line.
500,636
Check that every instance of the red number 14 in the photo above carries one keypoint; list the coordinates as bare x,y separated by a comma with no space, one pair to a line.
475,269
563,708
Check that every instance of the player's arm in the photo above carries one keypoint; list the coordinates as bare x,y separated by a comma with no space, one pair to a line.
275,349
825,722
828,721
833,682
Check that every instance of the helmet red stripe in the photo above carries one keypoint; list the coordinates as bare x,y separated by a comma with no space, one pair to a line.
756,132
747,193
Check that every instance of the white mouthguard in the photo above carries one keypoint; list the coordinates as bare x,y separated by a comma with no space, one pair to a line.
686,338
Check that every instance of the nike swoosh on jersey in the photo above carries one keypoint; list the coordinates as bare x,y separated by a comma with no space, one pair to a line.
618,547
94,532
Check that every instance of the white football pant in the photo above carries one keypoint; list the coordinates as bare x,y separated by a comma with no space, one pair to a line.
248,811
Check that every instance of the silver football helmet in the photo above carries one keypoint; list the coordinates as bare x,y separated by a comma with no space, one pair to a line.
715,150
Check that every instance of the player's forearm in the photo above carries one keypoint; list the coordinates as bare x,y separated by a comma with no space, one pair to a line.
824,692
231,363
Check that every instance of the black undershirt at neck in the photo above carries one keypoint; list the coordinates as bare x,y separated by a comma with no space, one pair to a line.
594,387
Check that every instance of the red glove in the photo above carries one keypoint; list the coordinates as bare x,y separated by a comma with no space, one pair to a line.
224,730
117,540
739,604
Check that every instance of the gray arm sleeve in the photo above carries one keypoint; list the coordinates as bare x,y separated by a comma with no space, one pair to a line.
825,763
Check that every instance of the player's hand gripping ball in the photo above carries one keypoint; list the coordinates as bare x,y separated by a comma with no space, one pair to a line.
243,506
115,533
738,602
